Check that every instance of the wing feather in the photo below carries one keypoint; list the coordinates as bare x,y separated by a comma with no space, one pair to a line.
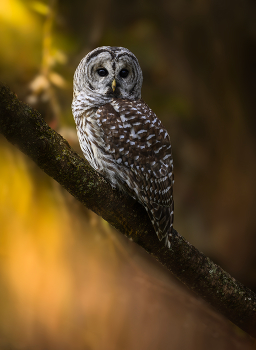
141,151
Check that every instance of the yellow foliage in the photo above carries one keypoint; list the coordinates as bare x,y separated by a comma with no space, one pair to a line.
16,15
39,7
57,80
21,38
33,226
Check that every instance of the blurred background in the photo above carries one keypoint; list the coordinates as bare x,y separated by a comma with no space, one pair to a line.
67,279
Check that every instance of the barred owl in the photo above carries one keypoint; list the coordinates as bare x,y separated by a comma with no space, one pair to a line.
120,136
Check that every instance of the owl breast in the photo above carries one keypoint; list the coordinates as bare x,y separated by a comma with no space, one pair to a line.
125,142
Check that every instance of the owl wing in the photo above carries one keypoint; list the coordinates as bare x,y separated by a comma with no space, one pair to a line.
141,151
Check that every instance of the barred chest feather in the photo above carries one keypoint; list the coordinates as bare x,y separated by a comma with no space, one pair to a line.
124,140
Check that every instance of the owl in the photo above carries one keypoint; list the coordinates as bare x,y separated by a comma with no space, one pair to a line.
120,136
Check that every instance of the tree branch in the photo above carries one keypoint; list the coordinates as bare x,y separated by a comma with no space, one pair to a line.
25,128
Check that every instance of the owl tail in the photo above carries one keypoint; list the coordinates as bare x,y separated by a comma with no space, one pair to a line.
162,219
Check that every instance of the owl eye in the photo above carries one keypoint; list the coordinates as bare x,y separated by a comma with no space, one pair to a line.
102,72
124,73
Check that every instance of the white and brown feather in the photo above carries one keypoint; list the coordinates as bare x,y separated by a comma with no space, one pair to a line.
125,141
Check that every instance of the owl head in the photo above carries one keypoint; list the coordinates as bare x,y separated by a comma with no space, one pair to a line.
109,72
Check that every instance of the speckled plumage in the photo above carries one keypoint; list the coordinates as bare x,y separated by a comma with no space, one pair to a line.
121,136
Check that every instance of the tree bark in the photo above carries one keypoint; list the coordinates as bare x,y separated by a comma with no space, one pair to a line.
25,128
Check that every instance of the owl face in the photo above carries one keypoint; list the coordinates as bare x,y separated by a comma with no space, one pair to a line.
110,72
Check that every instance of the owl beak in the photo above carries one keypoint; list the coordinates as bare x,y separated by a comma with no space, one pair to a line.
114,85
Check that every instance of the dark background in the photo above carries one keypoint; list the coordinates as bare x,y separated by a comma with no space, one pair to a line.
198,61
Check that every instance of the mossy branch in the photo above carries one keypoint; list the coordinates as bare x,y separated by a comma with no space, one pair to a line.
25,128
